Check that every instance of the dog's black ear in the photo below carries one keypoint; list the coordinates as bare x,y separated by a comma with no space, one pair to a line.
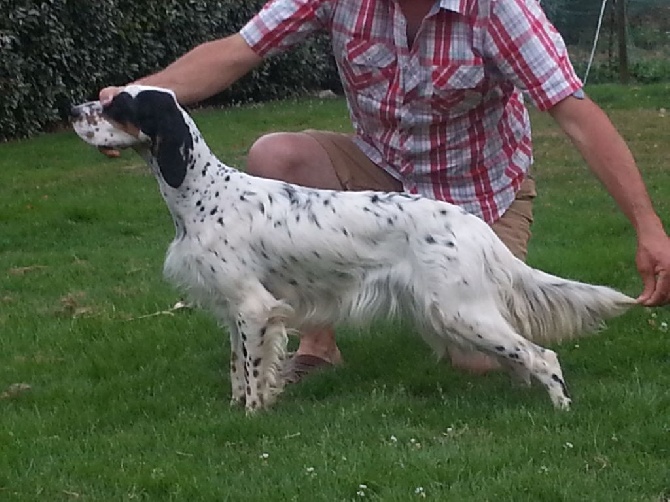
159,117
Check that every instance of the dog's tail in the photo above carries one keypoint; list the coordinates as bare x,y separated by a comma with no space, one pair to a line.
543,307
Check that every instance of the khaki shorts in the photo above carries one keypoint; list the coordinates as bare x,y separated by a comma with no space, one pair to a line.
356,172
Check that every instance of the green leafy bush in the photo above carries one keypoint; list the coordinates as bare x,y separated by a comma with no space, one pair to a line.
56,52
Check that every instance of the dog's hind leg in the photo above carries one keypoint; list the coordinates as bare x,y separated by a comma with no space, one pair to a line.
548,371
492,334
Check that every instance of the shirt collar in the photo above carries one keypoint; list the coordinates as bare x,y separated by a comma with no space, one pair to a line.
459,6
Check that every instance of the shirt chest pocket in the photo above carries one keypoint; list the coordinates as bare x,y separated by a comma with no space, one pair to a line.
368,68
456,88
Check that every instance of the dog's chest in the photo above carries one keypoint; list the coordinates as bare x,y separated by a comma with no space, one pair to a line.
208,274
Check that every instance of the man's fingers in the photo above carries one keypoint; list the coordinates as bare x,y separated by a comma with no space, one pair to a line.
649,281
110,152
661,294
656,290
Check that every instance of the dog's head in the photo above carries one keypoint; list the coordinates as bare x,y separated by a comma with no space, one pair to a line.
143,117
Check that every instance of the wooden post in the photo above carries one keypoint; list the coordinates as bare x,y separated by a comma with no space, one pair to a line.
622,35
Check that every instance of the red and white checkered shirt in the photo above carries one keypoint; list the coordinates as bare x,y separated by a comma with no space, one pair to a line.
445,116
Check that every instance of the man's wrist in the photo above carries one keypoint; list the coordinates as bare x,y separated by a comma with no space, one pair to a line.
649,228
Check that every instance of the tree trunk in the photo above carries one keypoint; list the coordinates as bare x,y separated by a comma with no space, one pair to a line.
622,35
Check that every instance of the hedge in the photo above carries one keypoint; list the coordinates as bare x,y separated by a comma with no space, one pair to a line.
54,53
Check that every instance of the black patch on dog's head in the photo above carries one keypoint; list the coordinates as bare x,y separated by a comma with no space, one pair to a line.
122,109
157,115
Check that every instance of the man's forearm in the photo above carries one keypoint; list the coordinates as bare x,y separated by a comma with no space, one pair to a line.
206,70
610,159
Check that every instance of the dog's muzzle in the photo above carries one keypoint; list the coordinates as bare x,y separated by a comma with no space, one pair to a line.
90,109
89,122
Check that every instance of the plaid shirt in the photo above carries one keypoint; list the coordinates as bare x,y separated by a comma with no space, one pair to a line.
445,116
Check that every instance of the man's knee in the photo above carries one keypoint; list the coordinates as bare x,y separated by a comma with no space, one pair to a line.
275,155
294,157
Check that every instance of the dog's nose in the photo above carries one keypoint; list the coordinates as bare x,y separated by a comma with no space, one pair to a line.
89,108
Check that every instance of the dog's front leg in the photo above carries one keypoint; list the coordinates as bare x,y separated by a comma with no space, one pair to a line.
262,338
237,367
262,347
262,335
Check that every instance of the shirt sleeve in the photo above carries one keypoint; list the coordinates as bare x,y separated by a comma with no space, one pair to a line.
529,52
281,24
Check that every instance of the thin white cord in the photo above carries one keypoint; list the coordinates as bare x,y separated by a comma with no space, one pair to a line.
595,40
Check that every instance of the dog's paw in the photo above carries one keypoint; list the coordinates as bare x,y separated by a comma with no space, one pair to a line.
237,402
562,403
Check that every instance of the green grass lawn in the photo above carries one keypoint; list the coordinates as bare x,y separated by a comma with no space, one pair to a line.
123,405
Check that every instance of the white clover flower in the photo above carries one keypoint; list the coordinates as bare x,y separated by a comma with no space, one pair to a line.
264,456
420,491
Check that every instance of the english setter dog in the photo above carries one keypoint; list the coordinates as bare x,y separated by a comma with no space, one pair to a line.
267,257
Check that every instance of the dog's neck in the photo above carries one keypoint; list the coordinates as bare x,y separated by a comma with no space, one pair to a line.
203,177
